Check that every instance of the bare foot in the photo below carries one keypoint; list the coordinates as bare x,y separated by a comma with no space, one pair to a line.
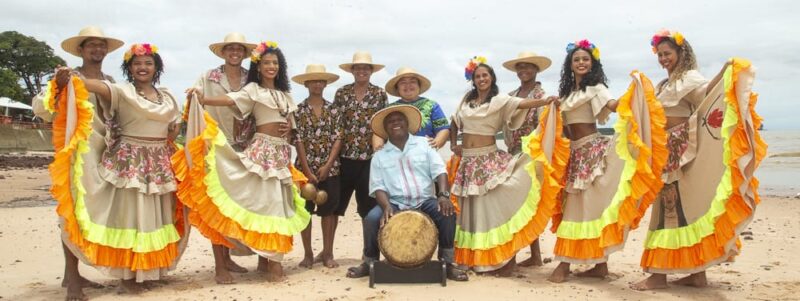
275,272
655,281
327,260
131,287
694,280
307,262
234,267
534,261
85,283
506,270
560,273
598,271
75,292
223,276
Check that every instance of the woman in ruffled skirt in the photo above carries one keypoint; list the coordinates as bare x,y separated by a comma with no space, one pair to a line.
710,192
493,188
114,183
248,200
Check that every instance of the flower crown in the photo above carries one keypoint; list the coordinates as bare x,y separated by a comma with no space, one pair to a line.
666,34
139,50
472,65
585,44
262,47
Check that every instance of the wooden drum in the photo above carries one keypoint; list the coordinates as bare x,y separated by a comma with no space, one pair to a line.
409,239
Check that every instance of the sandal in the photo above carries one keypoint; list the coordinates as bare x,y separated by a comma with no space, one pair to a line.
358,271
456,274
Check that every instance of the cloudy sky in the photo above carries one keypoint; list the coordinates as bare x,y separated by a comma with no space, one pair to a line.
438,37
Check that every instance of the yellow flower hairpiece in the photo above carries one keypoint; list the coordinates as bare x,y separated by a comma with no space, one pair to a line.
139,50
666,34
262,47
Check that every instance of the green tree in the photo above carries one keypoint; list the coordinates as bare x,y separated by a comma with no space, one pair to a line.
29,59
9,85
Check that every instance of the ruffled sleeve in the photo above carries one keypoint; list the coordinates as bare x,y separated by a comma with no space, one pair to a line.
39,109
691,87
244,99
597,96
509,110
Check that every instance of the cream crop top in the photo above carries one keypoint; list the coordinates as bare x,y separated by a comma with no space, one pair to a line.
587,106
266,105
681,97
489,118
137,116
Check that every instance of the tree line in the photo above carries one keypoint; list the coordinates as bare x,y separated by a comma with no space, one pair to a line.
25,65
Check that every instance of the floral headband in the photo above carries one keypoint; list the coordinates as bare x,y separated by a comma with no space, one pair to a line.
666,34
139,50
262,47
472,65
585,44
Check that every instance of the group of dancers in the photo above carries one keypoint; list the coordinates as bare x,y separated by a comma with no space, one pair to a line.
128,194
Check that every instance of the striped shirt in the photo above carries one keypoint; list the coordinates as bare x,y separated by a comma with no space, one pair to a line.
407,175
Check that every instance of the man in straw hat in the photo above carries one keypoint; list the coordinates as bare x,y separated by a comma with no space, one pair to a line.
318,144
92,46
226,78
526,66
357,102
408,84
389,183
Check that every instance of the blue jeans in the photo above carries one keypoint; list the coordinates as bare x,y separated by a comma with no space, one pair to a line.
445,224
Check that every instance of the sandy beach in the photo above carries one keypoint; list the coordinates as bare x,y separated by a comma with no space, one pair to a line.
31,266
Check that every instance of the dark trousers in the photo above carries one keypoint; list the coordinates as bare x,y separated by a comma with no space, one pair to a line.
445,224
354,176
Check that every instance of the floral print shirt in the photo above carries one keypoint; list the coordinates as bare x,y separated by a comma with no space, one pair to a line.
355,117
514,142
318,134
433,118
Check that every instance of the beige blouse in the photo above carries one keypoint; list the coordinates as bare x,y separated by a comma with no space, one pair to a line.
489,118
137,116
587,106
266,105
681,97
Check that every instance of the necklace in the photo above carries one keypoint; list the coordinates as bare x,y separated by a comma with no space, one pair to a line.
159,100
282,105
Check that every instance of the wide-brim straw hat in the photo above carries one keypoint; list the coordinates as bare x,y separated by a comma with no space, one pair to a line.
71,45
361,57
413,115
315,72
528,57
391,85
232,38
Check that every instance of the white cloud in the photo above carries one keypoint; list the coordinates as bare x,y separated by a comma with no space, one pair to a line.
437,37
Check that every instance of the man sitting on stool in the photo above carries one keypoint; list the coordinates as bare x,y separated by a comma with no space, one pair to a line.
402,176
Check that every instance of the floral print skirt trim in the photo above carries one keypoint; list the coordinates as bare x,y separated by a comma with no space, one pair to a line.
482,169
677,143
586,161
140,164
268,156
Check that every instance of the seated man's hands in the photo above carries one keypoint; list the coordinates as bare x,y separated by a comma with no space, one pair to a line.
388,212
445,206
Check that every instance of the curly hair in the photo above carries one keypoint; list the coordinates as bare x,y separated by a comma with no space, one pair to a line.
493,91
281,81
126,68
594,77
686,59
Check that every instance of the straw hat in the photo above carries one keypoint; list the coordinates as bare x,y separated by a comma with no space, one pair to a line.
361,57
71,45
391,85
232,38
315,72
412,113
528,57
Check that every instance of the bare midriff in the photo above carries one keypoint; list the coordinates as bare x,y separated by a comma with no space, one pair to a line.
476,141
673,121
580,130
271,129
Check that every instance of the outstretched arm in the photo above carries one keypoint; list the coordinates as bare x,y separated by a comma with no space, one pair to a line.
714,81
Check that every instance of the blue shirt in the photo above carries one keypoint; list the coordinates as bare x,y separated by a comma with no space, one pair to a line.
407,175
433,118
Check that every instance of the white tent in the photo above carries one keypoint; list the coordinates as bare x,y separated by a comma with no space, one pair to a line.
13,104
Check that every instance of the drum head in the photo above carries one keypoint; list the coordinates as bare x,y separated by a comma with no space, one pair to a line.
409,239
